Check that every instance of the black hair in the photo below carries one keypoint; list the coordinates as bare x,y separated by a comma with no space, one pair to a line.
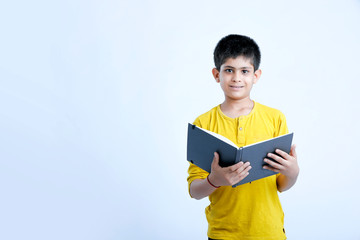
233,46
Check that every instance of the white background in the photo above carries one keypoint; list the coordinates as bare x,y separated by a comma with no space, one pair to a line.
95,97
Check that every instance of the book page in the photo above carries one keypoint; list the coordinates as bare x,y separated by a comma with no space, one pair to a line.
270,139
222,138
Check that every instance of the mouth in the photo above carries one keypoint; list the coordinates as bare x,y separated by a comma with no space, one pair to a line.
236,87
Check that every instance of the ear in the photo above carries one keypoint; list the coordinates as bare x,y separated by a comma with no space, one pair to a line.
216,74
257,75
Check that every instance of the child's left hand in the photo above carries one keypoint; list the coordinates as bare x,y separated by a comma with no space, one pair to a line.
286,163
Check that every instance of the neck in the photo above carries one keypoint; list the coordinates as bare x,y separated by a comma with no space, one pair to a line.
236,108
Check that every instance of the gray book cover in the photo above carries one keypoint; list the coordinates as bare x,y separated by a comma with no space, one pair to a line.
201,145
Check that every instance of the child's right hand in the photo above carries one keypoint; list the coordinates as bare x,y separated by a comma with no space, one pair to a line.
227,176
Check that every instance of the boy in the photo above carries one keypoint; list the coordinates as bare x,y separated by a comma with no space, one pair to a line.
251,210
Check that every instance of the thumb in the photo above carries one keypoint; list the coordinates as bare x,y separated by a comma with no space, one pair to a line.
215,162
292,151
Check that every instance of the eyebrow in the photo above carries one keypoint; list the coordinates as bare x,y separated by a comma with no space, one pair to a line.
228,66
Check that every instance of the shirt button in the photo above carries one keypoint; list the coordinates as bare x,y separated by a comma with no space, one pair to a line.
240,129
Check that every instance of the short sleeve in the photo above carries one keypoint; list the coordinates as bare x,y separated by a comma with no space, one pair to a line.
281,125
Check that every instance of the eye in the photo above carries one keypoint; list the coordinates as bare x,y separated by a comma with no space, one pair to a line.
228,70
245,71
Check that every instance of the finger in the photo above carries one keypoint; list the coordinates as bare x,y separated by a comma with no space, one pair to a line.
271,169
244,168
283,154
273,164
235,166
275,157
242,175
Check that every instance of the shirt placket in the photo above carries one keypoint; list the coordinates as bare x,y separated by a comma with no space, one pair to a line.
241,131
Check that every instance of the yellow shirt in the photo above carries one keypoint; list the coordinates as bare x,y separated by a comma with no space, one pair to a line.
251,210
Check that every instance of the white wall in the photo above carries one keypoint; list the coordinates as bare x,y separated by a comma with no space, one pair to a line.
95,97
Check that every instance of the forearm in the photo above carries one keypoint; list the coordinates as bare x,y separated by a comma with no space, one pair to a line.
200,188
285,183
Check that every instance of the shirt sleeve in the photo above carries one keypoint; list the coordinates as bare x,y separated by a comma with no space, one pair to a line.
194,171
281,125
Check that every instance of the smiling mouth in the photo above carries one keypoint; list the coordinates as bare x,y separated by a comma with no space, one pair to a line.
236,87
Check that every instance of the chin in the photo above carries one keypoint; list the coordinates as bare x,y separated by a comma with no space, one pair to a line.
237,98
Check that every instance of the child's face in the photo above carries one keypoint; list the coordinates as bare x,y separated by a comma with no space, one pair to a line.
236,77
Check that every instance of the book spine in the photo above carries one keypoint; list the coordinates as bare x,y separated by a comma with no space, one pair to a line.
238,155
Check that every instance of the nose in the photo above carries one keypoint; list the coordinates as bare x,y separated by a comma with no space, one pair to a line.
236,76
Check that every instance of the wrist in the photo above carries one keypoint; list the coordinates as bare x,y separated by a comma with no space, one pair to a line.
211,181
293,175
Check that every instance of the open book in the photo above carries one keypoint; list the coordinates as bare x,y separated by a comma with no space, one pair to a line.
201,145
